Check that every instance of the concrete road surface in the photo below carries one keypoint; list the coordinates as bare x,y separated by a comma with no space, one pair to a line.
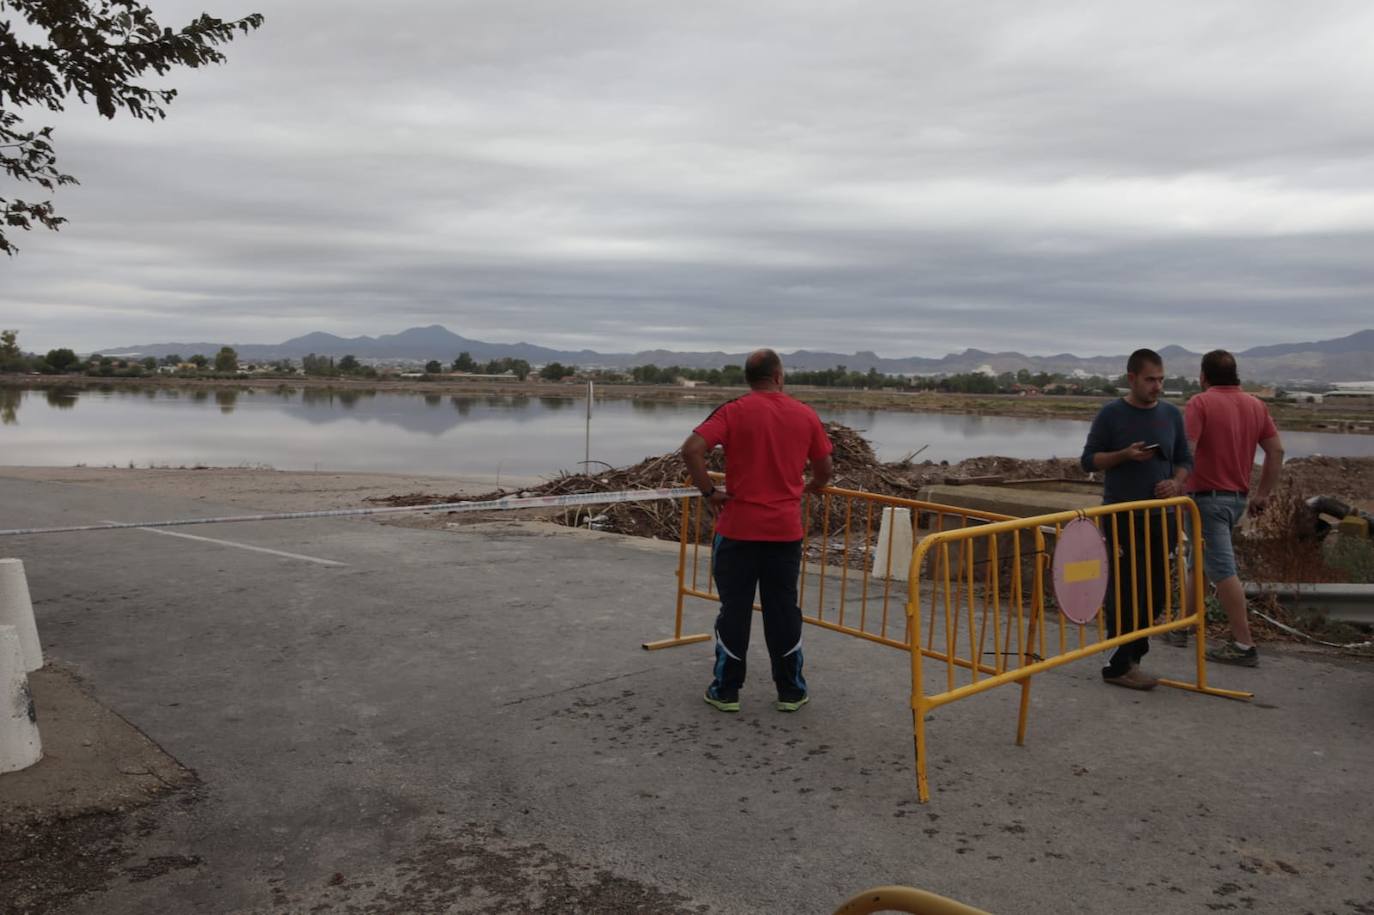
396,720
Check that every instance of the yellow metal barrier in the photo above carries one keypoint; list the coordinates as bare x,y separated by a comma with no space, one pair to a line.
1014,611
903,899
840,538
982,578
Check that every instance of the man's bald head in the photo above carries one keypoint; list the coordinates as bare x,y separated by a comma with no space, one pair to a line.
762,367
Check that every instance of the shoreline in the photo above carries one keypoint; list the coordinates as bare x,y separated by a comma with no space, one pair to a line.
1344,419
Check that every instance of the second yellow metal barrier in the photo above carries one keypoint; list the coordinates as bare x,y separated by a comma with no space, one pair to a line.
1150,591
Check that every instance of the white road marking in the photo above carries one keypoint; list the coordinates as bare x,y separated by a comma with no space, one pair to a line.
241,546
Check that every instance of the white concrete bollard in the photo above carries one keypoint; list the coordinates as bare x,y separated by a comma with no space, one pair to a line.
895,532
20,746
16,609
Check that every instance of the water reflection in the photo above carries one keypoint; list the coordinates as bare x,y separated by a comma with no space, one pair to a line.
61,398
299,428
9,405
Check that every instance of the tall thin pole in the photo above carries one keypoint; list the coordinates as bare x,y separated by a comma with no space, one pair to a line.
588,455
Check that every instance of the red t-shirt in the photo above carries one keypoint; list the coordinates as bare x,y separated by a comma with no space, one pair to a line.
1227,424
768,438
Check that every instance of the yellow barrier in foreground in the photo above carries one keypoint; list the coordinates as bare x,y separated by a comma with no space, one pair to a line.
983,577
903,899
1148,579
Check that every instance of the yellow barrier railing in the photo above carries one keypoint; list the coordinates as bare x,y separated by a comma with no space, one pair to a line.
903,899
836,589
1150,588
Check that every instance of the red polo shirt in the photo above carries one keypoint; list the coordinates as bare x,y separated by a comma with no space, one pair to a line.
1227,424
768,439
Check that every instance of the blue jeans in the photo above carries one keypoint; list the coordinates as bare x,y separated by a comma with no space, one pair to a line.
1221,513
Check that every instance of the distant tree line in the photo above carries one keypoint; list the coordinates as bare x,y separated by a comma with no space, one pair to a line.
64,361
466,364
346,366
842,377
226,362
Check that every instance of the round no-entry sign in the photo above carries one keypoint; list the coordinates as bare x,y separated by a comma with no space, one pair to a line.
1080,570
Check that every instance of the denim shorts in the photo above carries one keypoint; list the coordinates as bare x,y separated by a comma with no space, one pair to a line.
1221,513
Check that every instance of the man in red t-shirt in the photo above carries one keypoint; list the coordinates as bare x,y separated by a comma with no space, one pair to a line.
1224,427
768,439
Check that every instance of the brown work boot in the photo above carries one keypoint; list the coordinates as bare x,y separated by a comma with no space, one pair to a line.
1133,678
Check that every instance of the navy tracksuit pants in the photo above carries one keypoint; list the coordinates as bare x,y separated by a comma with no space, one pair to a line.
771,567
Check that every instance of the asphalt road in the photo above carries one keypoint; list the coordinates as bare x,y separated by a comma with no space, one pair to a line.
464,721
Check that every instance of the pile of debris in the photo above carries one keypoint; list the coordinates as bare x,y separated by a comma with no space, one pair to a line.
856,467
641,519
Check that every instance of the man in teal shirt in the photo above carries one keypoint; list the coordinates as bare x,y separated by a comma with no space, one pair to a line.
1139,444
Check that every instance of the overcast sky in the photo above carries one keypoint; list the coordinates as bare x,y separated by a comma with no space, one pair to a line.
911,178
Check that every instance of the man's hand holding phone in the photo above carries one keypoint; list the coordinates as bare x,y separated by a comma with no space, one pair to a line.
1139,451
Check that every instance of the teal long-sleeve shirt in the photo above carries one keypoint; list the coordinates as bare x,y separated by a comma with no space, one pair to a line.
1119,424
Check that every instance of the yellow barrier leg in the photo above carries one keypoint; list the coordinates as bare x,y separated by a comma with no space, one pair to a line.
918,717
673,643
1209,690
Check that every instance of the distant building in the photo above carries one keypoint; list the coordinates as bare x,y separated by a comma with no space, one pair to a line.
1351,389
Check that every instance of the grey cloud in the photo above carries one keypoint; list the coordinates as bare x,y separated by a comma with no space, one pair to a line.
909,179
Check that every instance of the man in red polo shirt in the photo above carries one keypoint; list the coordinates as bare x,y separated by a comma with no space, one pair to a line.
1224,426
768,439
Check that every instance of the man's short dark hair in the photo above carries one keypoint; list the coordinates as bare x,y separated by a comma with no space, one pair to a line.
1140,358
1219,367
761,366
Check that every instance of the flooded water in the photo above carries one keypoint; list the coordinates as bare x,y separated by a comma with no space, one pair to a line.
308,429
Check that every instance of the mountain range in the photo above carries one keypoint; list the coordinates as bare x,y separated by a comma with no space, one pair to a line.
1349,358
